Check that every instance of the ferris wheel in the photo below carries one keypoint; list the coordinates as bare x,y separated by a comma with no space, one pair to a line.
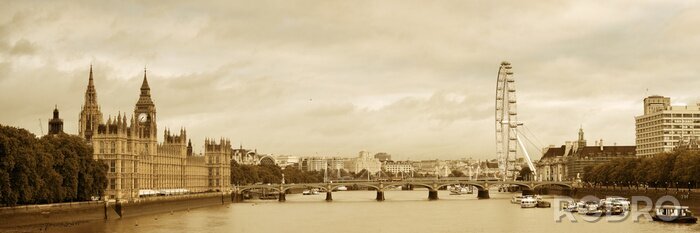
507,139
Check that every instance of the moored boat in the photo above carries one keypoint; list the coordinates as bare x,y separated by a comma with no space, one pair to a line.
608,201
543,204
674,214
528,202
593,209
569,207
516,199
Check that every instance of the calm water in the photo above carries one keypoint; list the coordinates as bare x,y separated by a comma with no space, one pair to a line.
403,211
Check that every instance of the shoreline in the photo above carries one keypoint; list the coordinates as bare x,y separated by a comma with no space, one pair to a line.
39,217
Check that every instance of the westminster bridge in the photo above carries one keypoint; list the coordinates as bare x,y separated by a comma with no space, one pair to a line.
433,185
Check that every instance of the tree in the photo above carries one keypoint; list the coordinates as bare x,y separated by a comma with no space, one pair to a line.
457,173
54,168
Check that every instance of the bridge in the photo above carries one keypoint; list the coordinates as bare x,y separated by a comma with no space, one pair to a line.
433,185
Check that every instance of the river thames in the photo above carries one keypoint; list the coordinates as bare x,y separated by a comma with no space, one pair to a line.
357,211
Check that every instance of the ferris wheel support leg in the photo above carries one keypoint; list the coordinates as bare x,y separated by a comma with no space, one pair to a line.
527,155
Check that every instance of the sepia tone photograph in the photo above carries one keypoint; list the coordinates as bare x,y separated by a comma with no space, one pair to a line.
388,116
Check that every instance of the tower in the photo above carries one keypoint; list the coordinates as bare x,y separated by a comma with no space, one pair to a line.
189,148
90,115
581,141
56,123
656,103
145,112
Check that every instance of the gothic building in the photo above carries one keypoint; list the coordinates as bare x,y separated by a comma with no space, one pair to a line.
139,164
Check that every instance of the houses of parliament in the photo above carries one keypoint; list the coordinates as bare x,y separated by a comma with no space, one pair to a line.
138,164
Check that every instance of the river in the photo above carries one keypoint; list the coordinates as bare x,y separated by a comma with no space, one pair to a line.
357,211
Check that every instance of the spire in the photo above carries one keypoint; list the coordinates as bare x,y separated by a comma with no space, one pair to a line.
580,133
55,112
145,96
145,89
90,82
91,93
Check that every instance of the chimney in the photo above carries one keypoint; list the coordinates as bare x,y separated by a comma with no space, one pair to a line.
601,144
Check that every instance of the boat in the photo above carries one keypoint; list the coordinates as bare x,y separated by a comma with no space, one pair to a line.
588,208
609,200
528,202
569,207
516,199
314,191
616,209
342,188
306,192
543,204
458,190
674,214
593,209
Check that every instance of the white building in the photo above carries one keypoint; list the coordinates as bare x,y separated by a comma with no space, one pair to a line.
364,161
662,126
398,167
286,160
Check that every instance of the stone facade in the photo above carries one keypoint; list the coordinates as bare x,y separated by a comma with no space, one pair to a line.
363,162
138,163
566,163
397,167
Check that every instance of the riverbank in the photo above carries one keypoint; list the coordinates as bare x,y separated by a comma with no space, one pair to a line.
40,217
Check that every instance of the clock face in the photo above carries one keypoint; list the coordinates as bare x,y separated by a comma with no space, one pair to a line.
143,117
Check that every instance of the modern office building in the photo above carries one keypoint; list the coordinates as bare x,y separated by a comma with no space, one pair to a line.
663,127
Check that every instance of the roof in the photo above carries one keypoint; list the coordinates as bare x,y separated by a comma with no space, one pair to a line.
590,151
595,150
491,165
553,152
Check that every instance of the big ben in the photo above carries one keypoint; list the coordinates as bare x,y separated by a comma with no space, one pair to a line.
145,136
145,112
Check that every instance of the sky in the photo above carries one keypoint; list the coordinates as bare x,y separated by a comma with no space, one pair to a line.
415,79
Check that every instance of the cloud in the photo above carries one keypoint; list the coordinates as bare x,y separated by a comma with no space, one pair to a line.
23,47
413,79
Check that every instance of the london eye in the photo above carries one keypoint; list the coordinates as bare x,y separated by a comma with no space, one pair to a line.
507,124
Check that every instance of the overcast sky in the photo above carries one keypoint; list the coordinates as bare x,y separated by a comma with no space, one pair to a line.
415,79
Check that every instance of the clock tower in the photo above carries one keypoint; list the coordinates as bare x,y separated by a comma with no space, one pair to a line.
145,112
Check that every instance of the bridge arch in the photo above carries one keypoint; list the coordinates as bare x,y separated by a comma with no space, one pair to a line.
424,185
320,187
518,183
335,186
477,185
259,187
560,184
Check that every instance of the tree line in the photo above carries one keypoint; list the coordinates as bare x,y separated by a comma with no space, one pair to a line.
674,169
54,168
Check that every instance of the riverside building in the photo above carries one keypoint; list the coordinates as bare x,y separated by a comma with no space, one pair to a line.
664,127
566,163
138,164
